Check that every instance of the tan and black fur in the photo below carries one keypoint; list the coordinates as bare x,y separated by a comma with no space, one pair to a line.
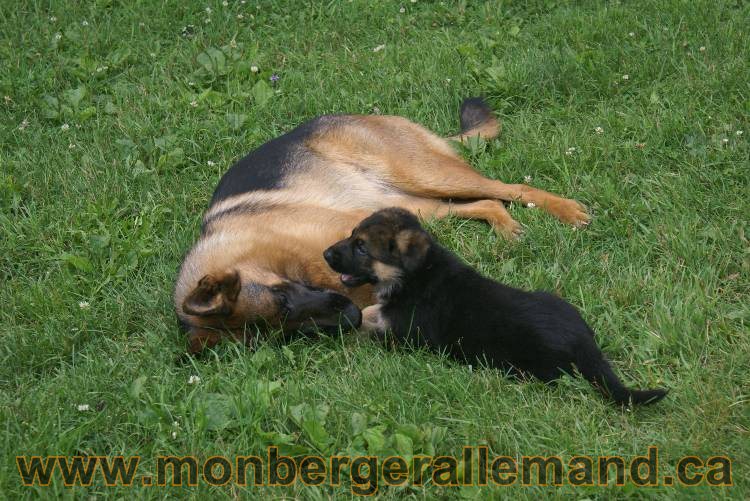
259,256
427,296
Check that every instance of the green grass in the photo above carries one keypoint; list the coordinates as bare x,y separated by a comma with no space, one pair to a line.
101,211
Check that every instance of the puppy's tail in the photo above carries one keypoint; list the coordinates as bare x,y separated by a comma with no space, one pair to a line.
595,368
477,120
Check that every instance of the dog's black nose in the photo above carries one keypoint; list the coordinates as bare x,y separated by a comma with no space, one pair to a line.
331,256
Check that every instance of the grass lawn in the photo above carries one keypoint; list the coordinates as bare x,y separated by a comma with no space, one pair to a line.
119,118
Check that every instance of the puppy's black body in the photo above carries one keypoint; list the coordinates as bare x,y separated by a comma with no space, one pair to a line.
428,296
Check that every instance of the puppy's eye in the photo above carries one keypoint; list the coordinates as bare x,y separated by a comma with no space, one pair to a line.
360,248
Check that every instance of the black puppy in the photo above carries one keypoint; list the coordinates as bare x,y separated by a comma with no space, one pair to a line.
427,295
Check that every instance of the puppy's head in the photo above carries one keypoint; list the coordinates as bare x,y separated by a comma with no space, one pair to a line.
382,249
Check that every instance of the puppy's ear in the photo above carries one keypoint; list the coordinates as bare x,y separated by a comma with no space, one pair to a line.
214,295
412,246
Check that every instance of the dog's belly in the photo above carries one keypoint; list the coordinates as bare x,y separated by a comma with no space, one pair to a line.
318,203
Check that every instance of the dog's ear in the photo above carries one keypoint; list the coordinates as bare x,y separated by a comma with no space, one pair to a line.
412,246
214,295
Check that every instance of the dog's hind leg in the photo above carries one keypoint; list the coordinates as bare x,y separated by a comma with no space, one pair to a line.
447,177
402,155
492,211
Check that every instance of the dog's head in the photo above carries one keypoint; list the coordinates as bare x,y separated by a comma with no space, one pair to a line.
233,300
381,250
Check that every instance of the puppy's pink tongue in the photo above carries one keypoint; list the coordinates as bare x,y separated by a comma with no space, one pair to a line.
345,277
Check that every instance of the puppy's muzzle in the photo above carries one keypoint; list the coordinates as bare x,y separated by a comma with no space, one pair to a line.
351,277
332,257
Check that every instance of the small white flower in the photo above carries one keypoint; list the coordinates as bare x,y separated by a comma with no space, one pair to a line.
254,69
526,179
194,103
211,163
208,10
58,36
631,34
84,305
174,434
191,84
724,141
65,127
83,407
570,150
207,20
531,205
738,133
70,147
376,110
448,80
84,23
626,77
7,99
225,3
379,48
233,43
402,10
194,380
599,130
153,54
53,19
470,367
141,24
23,124
175,424
702,49
240,16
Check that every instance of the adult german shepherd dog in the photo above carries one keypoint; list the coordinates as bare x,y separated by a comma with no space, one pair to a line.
259,258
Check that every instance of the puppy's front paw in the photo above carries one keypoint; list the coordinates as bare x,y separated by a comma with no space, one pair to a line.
372,320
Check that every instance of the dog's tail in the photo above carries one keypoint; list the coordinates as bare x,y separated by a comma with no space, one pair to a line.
477,120
595,368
